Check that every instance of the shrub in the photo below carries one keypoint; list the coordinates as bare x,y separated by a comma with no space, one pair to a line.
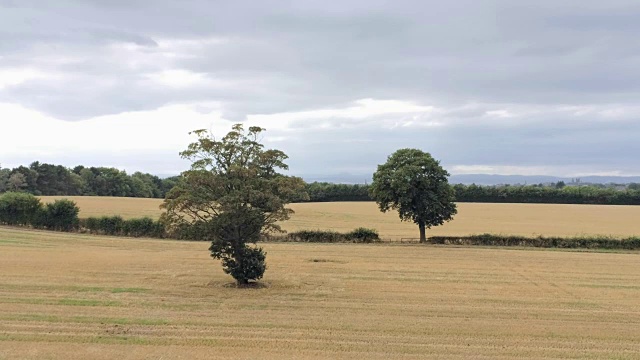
91,224
632,243
116,225
143,227
316,236
111,225
363,235
60,215
360,235
19,208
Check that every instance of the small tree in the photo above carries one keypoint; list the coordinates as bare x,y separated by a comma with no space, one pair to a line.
413,183
231,195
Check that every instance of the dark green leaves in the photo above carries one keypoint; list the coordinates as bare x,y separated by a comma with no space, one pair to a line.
235,191
413,183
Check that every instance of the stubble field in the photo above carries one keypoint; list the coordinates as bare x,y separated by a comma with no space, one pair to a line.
505,219
72,296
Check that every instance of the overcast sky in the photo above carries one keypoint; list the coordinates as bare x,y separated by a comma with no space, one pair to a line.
486,86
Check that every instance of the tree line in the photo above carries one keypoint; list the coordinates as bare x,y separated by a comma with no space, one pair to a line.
43,179
583,194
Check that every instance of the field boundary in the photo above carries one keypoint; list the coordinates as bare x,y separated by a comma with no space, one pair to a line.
484,240
595,242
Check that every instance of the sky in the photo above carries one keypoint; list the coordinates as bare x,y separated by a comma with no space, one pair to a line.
530,87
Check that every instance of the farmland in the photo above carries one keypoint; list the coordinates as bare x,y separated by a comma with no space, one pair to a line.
76,296
472,218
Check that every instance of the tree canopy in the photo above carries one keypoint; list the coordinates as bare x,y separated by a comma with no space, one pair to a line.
233,193
413,183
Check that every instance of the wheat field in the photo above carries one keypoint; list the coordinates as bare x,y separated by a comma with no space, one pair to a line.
505,219
73,296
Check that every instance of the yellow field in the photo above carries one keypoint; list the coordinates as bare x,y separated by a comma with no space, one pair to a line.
506,219
71,296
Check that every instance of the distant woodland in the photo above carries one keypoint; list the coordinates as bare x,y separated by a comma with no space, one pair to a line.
46,179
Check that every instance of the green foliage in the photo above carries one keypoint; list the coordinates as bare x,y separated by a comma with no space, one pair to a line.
19,208
46,179
556,194
359,235
24,209
91,225
248,263
28,180
319,236
117,226
232,193
16,182
196,231
143,227
414,184
323,192
363,235
4,179
632,243
60,215
549,195
111,225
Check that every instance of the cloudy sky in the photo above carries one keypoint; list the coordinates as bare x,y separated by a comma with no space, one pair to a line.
487,86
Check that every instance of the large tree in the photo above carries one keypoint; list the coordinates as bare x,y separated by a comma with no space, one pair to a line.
413,183
232,194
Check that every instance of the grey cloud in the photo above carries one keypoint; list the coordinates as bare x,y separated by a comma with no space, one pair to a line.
282,56
592,145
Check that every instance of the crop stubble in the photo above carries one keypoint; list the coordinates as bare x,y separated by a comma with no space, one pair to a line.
472,218
75,296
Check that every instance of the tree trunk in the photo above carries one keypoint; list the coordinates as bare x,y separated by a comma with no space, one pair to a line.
423,235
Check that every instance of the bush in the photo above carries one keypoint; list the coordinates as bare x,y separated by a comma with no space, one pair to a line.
61,215
144,227
91,225
116,225
19,208
316,236
363,235
111,225
632,243
359,235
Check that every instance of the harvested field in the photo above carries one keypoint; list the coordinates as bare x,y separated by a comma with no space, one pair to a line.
70,296
472,218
